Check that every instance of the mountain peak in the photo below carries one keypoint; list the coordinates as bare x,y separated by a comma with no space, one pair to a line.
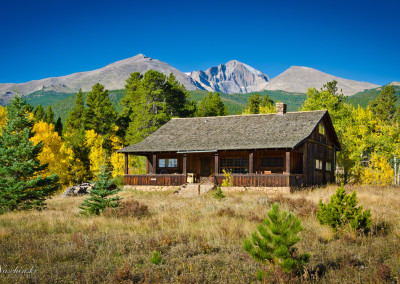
231,77
299,79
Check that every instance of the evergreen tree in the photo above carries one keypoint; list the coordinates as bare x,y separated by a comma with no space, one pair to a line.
100,114
211,105
267,102
274,242
342,210
98,201
384,107
76,118
21,185
80,172
49,115
219,194
149,110
128,104
59,127
176,98
39,113
253,104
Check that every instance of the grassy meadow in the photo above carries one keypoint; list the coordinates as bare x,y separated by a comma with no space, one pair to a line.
200,240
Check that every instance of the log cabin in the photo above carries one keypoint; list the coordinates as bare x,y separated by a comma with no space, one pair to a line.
283,149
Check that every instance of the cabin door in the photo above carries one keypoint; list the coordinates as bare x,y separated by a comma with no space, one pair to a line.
205,166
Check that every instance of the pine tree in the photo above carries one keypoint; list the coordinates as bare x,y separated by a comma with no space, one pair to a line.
49,115
39,113
21,185
253,104
384,107
177,98
100,114
211,105
274,242
98,201
342,210
267,102
80,165
219,194
59,127
76,117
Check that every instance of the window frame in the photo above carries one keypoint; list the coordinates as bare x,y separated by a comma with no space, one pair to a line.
272,167
166,163
318,164
234,165
322,129
326,166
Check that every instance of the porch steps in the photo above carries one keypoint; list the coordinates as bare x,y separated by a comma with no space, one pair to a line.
192,189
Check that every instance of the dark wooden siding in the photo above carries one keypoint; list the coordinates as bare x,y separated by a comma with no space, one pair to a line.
254,180
156,180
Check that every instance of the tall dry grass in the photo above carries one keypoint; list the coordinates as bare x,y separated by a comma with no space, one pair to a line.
200,240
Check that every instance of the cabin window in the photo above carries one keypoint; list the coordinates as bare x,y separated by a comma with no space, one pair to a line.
168,163
234,165
318,164
321,129
328,166
272,162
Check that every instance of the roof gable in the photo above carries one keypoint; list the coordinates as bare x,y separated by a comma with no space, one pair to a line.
260,131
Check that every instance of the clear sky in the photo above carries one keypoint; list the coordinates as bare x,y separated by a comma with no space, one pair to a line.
356,40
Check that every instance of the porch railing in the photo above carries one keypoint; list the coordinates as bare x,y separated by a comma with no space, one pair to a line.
155,179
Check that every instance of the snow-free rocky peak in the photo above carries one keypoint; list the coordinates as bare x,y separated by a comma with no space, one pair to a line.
298,79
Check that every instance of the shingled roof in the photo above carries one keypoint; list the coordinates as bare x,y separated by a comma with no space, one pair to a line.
234,132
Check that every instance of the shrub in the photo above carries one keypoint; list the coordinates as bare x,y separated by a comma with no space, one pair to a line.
129,208
156,258
342,211
274,242
219,194
98,201
228,179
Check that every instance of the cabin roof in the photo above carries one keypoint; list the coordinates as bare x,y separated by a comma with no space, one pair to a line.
234,132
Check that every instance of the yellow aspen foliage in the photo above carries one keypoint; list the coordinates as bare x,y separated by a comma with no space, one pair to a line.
117,159
97,154
54,151
379,172
3,116
268,109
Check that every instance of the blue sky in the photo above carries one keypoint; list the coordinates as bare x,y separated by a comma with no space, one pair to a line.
356,40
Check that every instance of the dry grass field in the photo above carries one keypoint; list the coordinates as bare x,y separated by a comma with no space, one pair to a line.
200,240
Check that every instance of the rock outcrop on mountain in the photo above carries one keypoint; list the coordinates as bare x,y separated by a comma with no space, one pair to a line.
231,77
113,76
298,79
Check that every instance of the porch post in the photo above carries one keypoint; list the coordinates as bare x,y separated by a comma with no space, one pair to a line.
216,165
126,164
184,163
251,162
154,164
287,162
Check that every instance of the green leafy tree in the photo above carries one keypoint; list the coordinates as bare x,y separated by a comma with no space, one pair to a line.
275,241
59,127
49,115
21,185
342,210
384,106
211,105
39,113
253,104
99,200
100,114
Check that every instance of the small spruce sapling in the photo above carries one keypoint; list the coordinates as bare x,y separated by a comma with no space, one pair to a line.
342,211
274,241
98,201
219,194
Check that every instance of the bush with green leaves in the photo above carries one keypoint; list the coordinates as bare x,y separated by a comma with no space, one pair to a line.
342,210
98,201
274,241
219,194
